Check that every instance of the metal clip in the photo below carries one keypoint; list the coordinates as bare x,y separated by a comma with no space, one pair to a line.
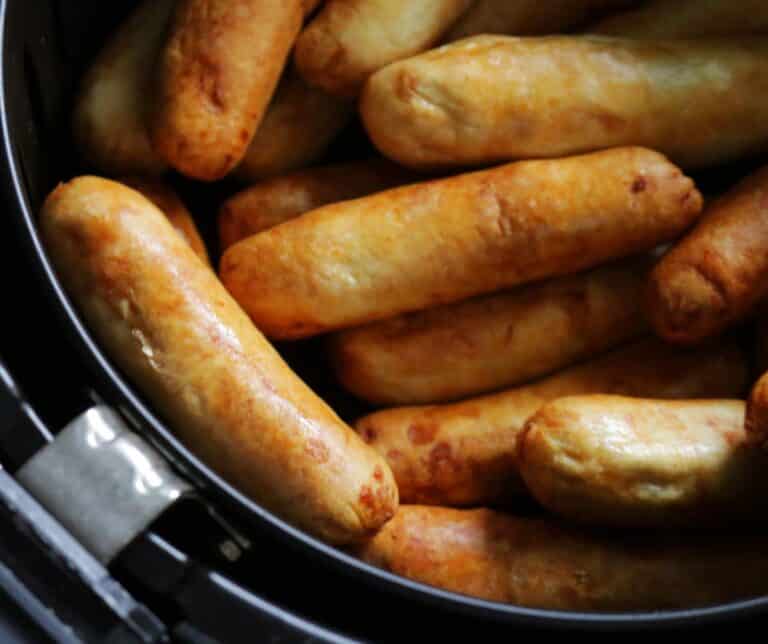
104,483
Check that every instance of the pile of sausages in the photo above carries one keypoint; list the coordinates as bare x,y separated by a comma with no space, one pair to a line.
524,281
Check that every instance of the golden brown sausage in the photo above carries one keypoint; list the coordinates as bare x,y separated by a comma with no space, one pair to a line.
640,462
427,244
299,125
169,324
719,271
310,5
688,19
757,414
275,201
173,208
543,564
492,341
760,335
218,72
494,98
529,17
351,39
464,454
114,104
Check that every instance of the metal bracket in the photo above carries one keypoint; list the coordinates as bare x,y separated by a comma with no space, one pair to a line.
103,483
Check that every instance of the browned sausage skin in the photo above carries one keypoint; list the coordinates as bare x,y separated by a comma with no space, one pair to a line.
544,564
490,99
432,243
638,462
350,39
299,125
492,341
218,71
465,454
718,272
166,320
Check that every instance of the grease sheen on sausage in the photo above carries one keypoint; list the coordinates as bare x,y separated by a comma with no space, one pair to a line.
218,71
274,201
465,454
114,101
688,19
436,242
350,39
165,319
493,98
543,564
492,341
718,272
634,462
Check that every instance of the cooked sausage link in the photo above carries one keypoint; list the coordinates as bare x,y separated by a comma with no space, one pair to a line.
165,319
543,564
465,454
218,71
635,462
494,98
299,125
492,341
432,243
719,271
350,39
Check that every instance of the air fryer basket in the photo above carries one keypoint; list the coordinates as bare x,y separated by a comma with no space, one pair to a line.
44,46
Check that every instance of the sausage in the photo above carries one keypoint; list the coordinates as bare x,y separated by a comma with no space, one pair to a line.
275,201
494,98
529,17
688,19
350,39
310,5
757,413
492,341
757,404
431,243
299,125
643,463
464,454
719,271
543,564
171,327
218,71
112,105
760,337
173,208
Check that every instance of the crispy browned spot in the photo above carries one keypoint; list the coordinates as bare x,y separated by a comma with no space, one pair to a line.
422,433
